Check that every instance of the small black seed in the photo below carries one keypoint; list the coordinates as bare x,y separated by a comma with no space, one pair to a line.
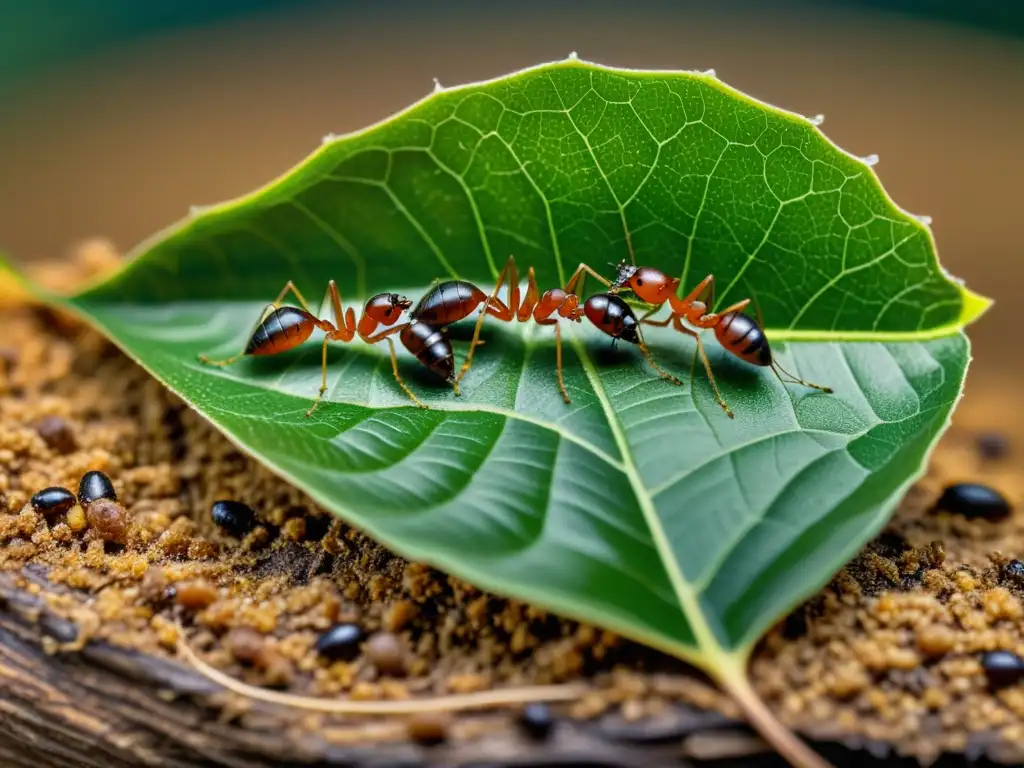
1002,668
95,486
317,527
8,359
340,642
973,500
992,445
1014,571
53,500
234,517
429,728
57,434
795,624
536,720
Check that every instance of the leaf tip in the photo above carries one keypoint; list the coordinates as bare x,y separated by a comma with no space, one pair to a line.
974,306
329,138
711,73
438,88
573,56
816,120
16,289
870,160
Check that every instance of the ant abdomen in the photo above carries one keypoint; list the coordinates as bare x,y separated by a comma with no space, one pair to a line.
740,335
449,302
613,316
431,347
283,329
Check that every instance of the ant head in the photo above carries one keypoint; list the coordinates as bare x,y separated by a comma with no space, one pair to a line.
625,274
387,307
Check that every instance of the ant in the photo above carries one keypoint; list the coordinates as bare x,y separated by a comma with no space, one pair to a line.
738,333
281,328
607,312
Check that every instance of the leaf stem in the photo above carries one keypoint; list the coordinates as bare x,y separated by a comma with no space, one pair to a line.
733,679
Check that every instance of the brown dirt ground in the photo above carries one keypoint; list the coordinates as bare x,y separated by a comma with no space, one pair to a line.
888,651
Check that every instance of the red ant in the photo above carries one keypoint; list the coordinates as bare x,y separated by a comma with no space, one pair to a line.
281,328
739,334
607,312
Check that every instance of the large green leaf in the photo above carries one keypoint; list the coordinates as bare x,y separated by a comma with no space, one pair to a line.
640,506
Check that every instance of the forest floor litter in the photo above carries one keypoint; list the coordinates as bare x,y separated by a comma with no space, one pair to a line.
287,598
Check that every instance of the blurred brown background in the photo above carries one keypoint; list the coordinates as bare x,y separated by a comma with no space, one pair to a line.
121,142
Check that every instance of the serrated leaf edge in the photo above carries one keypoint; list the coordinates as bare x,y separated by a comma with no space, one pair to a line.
974,305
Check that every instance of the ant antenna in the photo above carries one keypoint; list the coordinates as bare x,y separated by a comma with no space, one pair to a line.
757,309
629,241
779,370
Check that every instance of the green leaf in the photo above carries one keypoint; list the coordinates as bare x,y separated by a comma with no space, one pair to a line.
640,506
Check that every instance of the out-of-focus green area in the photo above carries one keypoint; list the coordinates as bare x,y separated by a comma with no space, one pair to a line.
35,34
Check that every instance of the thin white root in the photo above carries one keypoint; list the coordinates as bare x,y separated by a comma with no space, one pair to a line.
452,702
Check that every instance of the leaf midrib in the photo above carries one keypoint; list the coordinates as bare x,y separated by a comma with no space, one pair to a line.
709,654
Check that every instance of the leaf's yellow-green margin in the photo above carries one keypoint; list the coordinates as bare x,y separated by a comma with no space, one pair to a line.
639,507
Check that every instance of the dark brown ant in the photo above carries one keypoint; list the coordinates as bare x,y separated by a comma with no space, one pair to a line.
608,313
281,328
738,333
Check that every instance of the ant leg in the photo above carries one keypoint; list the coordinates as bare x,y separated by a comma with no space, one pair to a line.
711,319
757,309
707,365
778,370
695,307
344,331
558,362
580,275
341,334
699,289
493,306
323,376
739,306
558,354
656,323
345,321
386,335
661,371
398,378
289,287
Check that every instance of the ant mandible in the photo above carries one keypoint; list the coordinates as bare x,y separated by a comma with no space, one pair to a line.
281,328
738,333
607,312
